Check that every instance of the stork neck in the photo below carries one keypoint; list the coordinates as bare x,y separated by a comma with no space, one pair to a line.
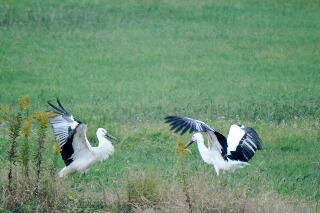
201,146
105,148
103,141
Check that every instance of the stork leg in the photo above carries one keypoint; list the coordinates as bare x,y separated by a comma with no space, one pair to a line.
222,183
218,181
225,178
217,169
83,176
71,175
69,178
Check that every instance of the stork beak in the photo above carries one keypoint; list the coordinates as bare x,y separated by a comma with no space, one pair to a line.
188,150
188,144
112,137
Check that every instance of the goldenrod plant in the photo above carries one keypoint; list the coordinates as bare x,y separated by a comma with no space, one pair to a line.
4,111
15,121
25,146
42,119
182,154
56,157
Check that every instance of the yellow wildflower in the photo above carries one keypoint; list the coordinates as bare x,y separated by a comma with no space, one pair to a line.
24,102
6,108
1,118
41,117
51,114
56,148
15,121
72,197
180,150
26,129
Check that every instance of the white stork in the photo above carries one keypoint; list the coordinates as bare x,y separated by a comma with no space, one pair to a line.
227,154
76,151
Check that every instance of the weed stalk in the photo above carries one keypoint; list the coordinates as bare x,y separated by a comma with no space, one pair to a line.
25,147
42,119
182,153
15,126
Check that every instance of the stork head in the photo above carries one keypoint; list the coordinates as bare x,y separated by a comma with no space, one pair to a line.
104,133
194,138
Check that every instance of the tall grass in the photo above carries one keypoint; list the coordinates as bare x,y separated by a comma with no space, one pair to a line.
148,173
165,196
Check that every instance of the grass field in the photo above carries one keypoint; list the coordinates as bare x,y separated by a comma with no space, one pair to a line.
125,65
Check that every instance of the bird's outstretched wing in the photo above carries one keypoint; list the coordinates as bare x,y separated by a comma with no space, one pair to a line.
243,142
183,124
63,123
69,132
215,139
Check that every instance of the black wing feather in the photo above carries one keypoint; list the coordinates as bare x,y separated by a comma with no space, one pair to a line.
224,143
178,123
185,129
57,110
253,135
178,129
67,150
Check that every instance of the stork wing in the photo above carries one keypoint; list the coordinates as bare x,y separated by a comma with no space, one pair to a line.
80,145
69,132
243,142
63,123
183,124
215,139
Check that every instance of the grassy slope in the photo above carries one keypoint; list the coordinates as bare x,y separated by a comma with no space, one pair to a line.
139,60
135,62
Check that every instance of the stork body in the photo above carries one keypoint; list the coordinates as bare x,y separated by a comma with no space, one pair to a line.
227,154
76,151
213,156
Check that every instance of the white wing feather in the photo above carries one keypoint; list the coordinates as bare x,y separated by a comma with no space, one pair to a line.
234,137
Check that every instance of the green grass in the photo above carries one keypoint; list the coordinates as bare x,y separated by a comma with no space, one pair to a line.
141,58
125,65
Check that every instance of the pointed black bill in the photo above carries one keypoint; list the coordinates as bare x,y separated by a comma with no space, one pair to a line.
189,143
112,137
